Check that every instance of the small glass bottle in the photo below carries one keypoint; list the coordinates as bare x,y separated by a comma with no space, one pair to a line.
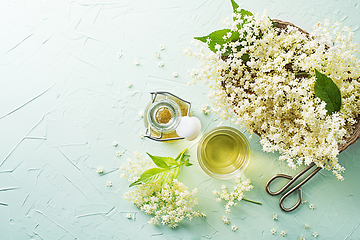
166,117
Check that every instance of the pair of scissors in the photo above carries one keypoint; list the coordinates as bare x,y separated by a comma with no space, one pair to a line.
297,187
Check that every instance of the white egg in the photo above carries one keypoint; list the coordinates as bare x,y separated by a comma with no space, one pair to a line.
189,128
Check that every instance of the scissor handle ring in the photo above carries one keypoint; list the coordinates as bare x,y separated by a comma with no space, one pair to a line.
296,204
282,189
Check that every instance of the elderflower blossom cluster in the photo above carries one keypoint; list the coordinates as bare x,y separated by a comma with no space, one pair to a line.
169,204
272,93
236,194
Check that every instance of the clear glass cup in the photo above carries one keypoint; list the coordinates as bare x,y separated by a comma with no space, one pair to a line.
223,152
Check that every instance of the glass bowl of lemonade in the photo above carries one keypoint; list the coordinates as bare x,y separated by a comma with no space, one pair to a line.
223,152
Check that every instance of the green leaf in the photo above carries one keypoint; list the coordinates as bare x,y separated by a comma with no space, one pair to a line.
327,91
217,38
235,6
187,163
242,12
151,175
272,22
159,161
181,154
171,162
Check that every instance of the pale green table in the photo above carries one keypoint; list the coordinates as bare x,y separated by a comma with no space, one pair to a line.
64,100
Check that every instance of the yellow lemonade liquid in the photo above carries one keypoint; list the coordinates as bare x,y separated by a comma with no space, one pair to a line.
223,152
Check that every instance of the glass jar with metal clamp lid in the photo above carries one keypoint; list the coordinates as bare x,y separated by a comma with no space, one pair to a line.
167,118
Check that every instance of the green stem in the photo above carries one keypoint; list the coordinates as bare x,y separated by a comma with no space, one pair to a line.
252,201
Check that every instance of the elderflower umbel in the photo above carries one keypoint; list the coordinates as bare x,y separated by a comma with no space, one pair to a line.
169,204
236,194
272,92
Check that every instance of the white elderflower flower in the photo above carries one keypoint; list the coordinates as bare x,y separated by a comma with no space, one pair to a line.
303,201
283,233
225,220
302,237
205,109
119,54
160,63
306,226
128,216
115,144
141,135
136,62
175,74
109,184
234,228
128,84
273,231
275,217
118,153
315,234
100,170
311,206
141,113
157,55
161,47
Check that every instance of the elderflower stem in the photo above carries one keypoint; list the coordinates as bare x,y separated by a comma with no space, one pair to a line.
252,201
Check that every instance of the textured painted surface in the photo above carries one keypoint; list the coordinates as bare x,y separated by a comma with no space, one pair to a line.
64,100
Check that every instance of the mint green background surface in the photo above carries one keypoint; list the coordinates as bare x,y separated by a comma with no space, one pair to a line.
64,101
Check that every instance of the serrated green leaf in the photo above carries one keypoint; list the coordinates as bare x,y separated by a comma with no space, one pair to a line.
327,91
171,162
159,161
151,175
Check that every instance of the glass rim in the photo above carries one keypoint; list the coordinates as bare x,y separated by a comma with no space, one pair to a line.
239,137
